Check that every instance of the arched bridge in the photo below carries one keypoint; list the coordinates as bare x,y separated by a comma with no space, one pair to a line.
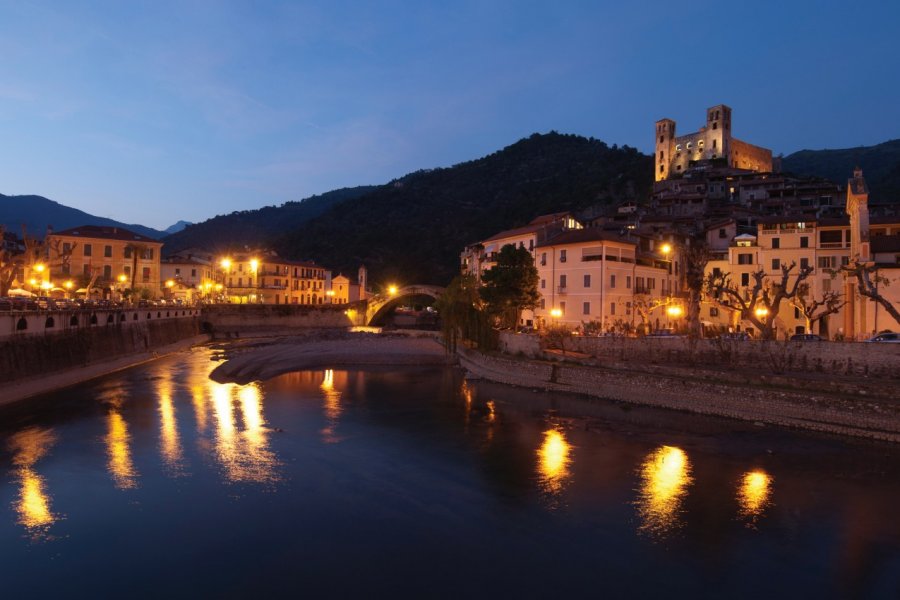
379,305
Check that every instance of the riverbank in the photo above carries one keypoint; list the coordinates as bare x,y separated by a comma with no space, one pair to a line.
21,389
844,414
263,358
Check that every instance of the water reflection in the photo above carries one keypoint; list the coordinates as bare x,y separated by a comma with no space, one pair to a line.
118,452
332,405
665,477
170,443
244,455
753,495
553,461
33,506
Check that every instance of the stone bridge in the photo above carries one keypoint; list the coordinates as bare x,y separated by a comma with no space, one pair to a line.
379,305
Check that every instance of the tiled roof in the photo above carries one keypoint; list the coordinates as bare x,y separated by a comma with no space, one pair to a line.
106,233
577,236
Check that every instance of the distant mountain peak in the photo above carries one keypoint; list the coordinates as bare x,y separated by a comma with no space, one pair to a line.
176,227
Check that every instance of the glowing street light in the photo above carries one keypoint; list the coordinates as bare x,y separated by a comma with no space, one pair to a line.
254,264
226,263
674,311
392,290
761,312
666,249
40,267
169,283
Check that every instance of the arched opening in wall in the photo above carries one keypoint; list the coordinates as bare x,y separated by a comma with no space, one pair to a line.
94,319
21,324
121,317
149,316
110,319
73,322
167,314
134,318
206,327
49,323
158,315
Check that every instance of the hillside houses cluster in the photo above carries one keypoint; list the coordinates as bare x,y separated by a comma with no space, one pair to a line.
626,270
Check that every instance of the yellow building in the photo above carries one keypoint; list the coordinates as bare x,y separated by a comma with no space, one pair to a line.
113,258
264,278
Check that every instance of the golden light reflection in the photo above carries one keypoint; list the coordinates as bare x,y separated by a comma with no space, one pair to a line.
198,399
170,443
468,396
333,408
244,455
665,477
118,452
553,461
33,506
754,494
492,411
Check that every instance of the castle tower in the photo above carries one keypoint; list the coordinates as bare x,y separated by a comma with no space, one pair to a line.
718,133
858,210
665,147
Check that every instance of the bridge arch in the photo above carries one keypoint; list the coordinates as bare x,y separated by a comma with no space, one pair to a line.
379,305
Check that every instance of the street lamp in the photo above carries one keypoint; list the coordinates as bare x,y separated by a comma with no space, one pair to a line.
330,294
392,290
556,314
761,312
674,311
226,269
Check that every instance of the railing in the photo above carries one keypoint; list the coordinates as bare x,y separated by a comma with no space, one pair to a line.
562,289
827,245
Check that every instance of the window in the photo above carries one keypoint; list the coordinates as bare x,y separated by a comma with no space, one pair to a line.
562,281
177,272
67,248
796,313
107,272
145,275
776,242
87,270
543,259
88,251
745,259
128,271
713,311
612,281
776,264
562,256
128,250
107,251
745,279
722,234
804,241
612,308
586,308
827,262
651,283
804,263
639,285
530,245
193,272
543,304
147,254
587,281
562,307
543,284
628,282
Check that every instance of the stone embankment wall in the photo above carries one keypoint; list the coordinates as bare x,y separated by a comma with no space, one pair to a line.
230,320
28,356
875,360
58,321
857,415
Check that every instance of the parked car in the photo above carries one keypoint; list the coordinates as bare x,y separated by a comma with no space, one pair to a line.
740,336
805,337
663,333
886,338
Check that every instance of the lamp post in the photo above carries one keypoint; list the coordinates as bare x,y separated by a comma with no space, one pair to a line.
674,312
254,268
556,314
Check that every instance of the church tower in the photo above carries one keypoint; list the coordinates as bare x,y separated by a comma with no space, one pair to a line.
858,210
362,277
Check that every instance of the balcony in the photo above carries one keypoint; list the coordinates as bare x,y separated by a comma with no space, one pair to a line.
562,289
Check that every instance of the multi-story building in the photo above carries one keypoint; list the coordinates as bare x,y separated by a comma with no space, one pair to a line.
263,277
711,144
188,276
111,259
823,245
590,275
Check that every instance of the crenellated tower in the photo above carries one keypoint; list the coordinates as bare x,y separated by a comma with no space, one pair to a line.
665,147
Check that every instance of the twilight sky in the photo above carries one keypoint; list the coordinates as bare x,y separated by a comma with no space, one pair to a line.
151,112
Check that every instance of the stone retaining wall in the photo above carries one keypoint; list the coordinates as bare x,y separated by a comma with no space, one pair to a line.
820,411
31,355
832,358
227,320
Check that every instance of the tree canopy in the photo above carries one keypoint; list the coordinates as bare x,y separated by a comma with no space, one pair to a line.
511,285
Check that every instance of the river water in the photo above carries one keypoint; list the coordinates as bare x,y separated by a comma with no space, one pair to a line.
158,482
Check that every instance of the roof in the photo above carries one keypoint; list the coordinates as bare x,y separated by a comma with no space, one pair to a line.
534,226
577,236
106,233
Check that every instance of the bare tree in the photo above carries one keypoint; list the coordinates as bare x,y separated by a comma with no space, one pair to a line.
868,281
696,258
643,305
829,304
763,294
9,265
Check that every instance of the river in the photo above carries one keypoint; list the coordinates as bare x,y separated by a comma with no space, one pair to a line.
158,482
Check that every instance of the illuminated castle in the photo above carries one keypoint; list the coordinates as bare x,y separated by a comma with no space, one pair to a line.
675,154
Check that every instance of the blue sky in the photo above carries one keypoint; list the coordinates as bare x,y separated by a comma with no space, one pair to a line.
152,112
